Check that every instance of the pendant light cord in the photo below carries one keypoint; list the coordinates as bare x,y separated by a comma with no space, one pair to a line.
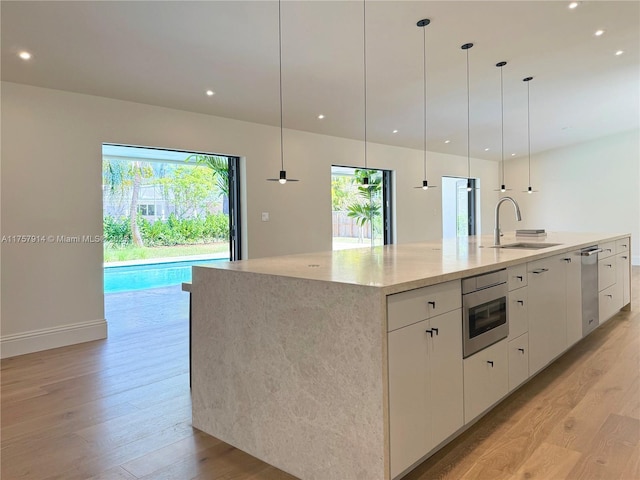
424,74
468,120
502,123
529,130
280,62
364,49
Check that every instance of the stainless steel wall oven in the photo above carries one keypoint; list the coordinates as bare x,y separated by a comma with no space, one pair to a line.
485,313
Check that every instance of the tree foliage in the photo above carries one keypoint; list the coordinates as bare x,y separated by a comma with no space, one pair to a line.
189,189
220,167
366,209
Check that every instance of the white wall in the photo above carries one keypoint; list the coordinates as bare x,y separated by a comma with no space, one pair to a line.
591,187
51,185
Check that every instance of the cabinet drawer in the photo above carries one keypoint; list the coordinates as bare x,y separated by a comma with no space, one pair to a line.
413,306
610,302
486,379
517,276
606,272
622,245
518,312
518,361
608,249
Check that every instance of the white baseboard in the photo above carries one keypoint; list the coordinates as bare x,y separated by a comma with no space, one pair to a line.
47,338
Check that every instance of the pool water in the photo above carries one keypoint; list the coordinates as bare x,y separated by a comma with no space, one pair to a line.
153,275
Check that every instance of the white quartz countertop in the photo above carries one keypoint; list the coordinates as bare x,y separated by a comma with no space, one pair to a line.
401,267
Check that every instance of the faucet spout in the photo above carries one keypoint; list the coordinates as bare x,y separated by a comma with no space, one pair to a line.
496,232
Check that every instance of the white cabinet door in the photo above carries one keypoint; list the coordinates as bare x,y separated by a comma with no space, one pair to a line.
609,303
573,277
445,361
486,379
517,276
518,361
606,272
409,410
547,311
425,387
518,312
622,277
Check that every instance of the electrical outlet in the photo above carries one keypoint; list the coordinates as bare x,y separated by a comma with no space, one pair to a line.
265,216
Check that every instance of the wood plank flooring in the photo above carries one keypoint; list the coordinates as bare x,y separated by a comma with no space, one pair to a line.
119,409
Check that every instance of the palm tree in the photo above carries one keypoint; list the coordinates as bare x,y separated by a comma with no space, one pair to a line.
120,176
220,167
368,208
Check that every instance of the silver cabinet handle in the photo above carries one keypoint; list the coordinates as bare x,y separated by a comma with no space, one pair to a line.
433,304
521,350
624,257
608,265
568,260
591,252
540,270
490,363
521,302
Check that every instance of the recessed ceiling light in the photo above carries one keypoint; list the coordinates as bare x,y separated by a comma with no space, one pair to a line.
573,5
24,55
598,33
486,149
210,93
321,116
619,52
513,154
447,141
395,131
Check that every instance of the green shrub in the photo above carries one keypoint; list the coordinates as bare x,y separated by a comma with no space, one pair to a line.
117,232
217,226
169,232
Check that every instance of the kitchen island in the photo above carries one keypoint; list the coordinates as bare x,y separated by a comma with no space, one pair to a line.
303,360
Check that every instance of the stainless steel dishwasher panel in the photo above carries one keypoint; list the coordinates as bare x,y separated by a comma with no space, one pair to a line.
590,298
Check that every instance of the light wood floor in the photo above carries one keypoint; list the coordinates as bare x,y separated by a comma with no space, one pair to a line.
120,409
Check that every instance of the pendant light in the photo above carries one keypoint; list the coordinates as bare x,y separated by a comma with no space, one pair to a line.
503,187
282,179
466,48
422,24
365,180
527,80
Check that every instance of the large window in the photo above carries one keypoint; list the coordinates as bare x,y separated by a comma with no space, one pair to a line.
164,206
361,215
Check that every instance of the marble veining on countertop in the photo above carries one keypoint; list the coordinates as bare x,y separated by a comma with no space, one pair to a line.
404,266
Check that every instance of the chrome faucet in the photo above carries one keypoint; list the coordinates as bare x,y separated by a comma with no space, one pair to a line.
496,232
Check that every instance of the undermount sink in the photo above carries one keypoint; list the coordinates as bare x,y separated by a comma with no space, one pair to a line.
528,245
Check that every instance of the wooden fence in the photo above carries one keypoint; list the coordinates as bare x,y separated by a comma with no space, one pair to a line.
346,227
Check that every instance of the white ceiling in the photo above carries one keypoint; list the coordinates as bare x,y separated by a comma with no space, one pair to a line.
168,53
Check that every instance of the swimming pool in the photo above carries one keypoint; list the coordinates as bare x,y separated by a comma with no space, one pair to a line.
153,275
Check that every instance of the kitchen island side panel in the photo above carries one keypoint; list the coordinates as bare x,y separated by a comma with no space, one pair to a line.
292,371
